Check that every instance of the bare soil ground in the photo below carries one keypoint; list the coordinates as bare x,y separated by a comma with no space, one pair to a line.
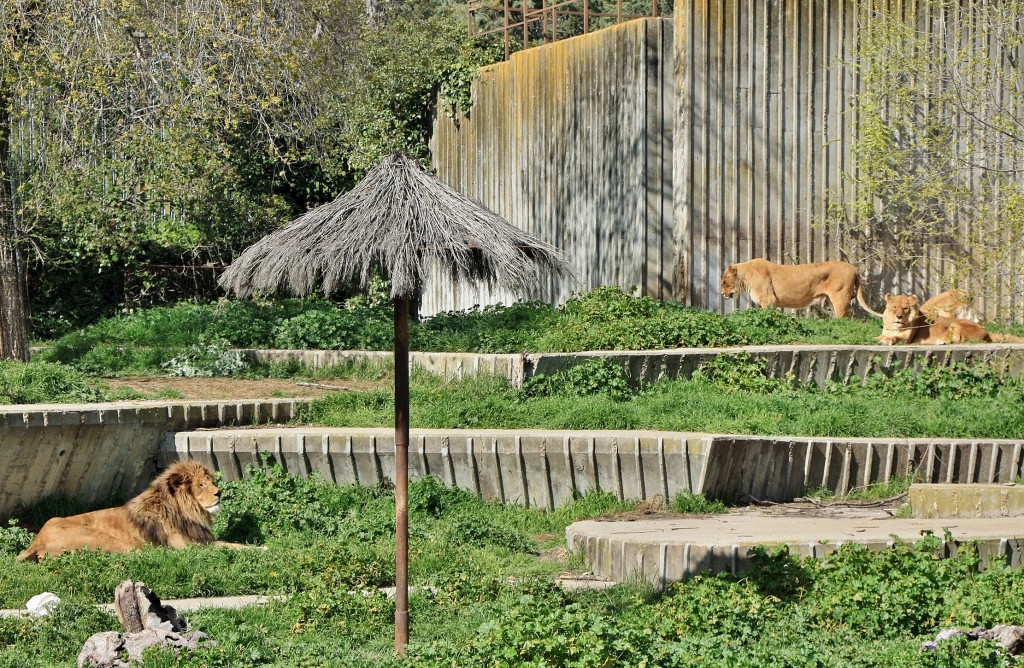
212,389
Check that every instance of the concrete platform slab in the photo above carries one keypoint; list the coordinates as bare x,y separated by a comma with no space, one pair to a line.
667,549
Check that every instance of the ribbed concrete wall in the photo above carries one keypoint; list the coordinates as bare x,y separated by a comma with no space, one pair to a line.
807,363
663,551
446,365
544,469
817,364
572,142
541,469
97,452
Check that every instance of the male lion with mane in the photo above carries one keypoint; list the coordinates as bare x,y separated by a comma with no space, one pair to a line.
176,511
796,285
904,321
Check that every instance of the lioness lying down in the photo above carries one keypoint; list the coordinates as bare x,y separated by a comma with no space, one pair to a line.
904,321
796,285
176,510
949,304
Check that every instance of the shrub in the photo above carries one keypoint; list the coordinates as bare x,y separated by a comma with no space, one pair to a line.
206,360
14,539
593,377
44,382
741,372
688,502
957,381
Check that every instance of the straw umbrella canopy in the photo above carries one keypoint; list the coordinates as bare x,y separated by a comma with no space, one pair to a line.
399,221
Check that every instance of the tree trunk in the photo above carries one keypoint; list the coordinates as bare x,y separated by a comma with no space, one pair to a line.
13,321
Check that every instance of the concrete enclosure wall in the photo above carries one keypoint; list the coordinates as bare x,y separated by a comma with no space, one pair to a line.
572,142
544,469
99,452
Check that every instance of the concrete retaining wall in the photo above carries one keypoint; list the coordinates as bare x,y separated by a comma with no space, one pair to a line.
670,550
544,469
967,502
446,365
98,452
817,364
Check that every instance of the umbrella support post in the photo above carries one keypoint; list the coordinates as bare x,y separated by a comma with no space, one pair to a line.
401,474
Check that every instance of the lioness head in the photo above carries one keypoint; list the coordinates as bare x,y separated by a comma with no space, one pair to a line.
193,479
730,280
901,311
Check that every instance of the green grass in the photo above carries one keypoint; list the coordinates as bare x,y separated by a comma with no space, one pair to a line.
688,405
481,597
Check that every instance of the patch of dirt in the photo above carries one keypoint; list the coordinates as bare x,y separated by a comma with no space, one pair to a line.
223,388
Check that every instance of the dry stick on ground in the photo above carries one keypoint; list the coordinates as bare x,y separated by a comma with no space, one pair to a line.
322,386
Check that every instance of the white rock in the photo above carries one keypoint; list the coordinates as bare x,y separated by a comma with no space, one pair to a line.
41,604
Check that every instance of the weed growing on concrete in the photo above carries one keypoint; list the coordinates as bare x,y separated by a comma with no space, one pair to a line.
697,504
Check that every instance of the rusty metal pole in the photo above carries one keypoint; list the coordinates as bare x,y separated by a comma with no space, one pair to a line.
401,474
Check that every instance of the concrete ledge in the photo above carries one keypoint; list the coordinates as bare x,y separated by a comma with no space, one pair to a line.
97,452
446,365
967,501
808,363
668,550
544,469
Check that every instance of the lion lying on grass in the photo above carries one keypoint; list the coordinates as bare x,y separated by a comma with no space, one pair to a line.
904,322
176,510
949,304
796,285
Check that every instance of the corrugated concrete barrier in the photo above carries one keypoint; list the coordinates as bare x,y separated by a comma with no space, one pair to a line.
967,501
544,469
446,365
818,364
97,452
673,549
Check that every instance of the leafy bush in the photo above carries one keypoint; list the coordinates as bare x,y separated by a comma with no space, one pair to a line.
688,502
597,376
491,329
902,590
609,319
14,539
957,381
44,382
741,372
206,360
330,328
761,326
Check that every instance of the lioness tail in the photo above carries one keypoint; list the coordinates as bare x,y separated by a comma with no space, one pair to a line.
864,305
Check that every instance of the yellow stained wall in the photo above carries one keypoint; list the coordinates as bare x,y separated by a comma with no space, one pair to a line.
571,142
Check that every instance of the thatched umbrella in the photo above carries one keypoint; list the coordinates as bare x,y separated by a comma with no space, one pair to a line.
399,220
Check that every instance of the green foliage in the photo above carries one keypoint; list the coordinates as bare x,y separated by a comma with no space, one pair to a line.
210,359
323,327
741,372
44,382
607,318
491,329
901,590
688,502
960,380
858,608
684,405
592,377
14,539
760,326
